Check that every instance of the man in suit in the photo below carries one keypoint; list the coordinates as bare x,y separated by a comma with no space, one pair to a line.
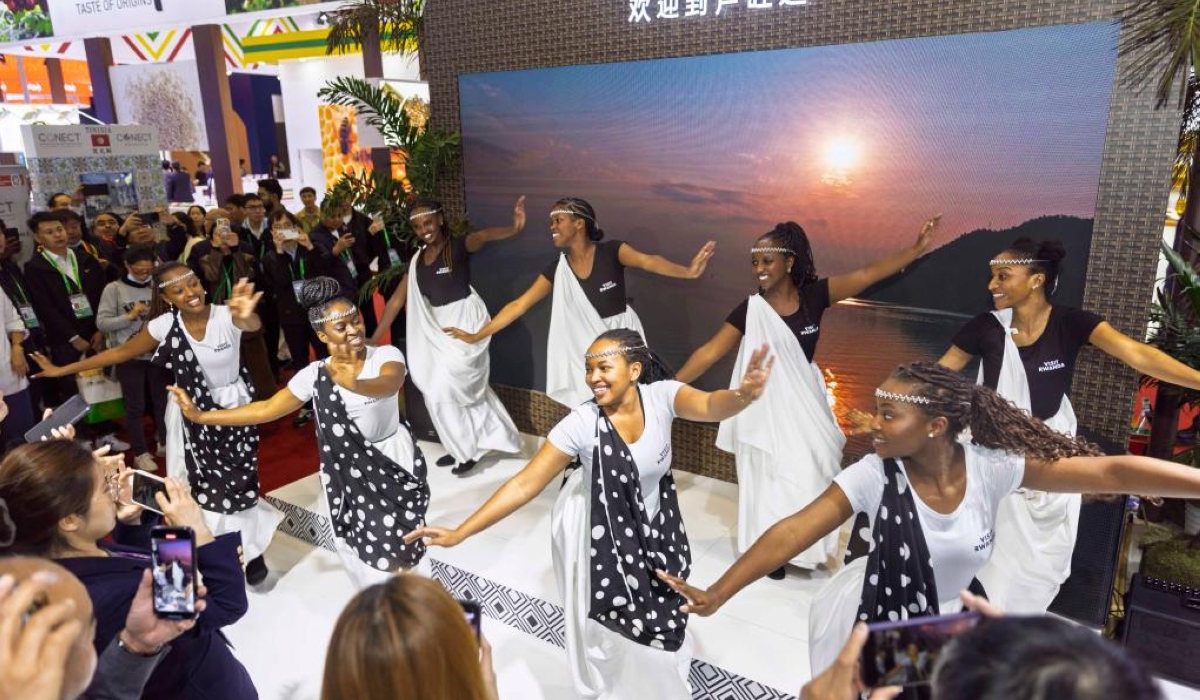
343,235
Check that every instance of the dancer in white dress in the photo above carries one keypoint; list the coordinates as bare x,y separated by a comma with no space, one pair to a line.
788,446
1028,348
452,376
588,281
372,473
617,519
932,499
200,343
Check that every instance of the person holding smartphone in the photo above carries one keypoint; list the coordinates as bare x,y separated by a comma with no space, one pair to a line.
200,343
367,449
930,498
65,501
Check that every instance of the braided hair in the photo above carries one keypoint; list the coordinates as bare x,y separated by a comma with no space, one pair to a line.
580,209
654,369
435,207
1047,257
791,235
995,422
317,295
165,271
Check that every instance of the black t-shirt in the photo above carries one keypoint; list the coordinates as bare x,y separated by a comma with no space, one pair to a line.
1049,362
605,287
805,324
442,284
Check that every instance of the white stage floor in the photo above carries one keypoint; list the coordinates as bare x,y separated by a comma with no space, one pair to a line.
755,647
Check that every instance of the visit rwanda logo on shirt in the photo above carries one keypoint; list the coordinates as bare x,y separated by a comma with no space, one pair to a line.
1051,365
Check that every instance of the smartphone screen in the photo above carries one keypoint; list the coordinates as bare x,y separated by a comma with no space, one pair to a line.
173,570
143,489
473,614
905,652
148,218
74,409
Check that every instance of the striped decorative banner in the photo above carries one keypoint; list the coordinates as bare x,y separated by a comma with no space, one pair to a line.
158,47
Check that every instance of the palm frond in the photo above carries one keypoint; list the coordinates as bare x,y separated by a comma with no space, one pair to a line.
397,23
1188,278
1162,38
377,105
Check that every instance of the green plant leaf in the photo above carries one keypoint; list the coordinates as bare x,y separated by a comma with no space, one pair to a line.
1188,278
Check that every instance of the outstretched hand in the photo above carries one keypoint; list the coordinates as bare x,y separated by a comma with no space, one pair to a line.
434,536
49,369
926,234
186,406
699,601
519,215
700,262
243,300
460,334
754,383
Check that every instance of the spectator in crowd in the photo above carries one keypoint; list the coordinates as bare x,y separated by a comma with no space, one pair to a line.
271,193
256,228
310,214
243,169
406,638
196,214
179,184
293,260
77,238
14,367
279,169
235,206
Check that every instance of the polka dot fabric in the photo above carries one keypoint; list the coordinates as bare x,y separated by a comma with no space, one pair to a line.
627,546
373,502
222,461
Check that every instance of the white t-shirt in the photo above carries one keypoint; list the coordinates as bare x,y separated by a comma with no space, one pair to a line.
10,383
960,543
219,351
377,419
576,436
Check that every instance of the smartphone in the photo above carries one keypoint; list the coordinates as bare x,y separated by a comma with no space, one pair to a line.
143,488
95,190
69,413
474,615
223,226
148,218
289,234
905,652
173,572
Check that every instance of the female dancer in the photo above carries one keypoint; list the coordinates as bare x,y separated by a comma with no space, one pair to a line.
617,519
588,282
453,376
789,446
932,499
200,343
372,472
1028,348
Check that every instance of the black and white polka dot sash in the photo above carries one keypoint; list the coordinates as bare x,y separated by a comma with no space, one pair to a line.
222,460
373,502
627,546
899,579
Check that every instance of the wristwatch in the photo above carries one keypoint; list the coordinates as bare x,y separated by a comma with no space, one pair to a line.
129,650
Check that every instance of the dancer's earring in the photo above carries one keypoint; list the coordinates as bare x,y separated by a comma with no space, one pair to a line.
932,435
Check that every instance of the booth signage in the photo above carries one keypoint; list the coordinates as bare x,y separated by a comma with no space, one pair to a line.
649,10
89,141
88,17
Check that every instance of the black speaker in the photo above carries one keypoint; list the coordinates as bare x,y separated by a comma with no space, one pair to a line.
1162,629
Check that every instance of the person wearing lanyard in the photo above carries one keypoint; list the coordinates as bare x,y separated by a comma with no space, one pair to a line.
285,268
391,250
64,288
350,254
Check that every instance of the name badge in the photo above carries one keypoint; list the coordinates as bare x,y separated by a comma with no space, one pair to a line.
296,285
27,315
80,305
351,266
393,257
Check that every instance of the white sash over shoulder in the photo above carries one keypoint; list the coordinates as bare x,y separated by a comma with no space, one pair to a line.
574,324
788,444
1035,530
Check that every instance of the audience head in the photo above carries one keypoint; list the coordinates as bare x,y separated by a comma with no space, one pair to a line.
185,220
308,197
60,586
334,317
284,219
924,402
72,223
140,262
271,192
1038,658
617,360
572,215
49,232
235,204
404,638
59,200
331,214
797,262
196,213
429,221
106,225
256,208
175,286
1025,268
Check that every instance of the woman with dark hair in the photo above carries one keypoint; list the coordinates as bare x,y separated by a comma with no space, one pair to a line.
199,342
197,214
788,446
452,376
64,501
588,281
617,517
406,638
931,498
367,449
1028,348
293,259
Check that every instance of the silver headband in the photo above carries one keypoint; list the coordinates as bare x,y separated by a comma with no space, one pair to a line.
906,398
1019,261
422,215
180,278
339,315
619,350
786,251
572,213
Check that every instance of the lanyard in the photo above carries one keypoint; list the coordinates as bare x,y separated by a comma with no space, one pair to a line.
22,296
67,281
292,274
226,281
387,238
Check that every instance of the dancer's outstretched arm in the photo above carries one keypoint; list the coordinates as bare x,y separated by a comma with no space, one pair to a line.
545,466
139,344
515,309
715,406
1146,359
631,257
345,373
392,309
242,302
478,239
851,284
707,355
1116,474
256,413
778,545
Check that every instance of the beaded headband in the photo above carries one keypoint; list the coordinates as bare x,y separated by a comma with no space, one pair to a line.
1020,261
786,251
906,398
174,280
572,213
619,350
422,215
338,315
